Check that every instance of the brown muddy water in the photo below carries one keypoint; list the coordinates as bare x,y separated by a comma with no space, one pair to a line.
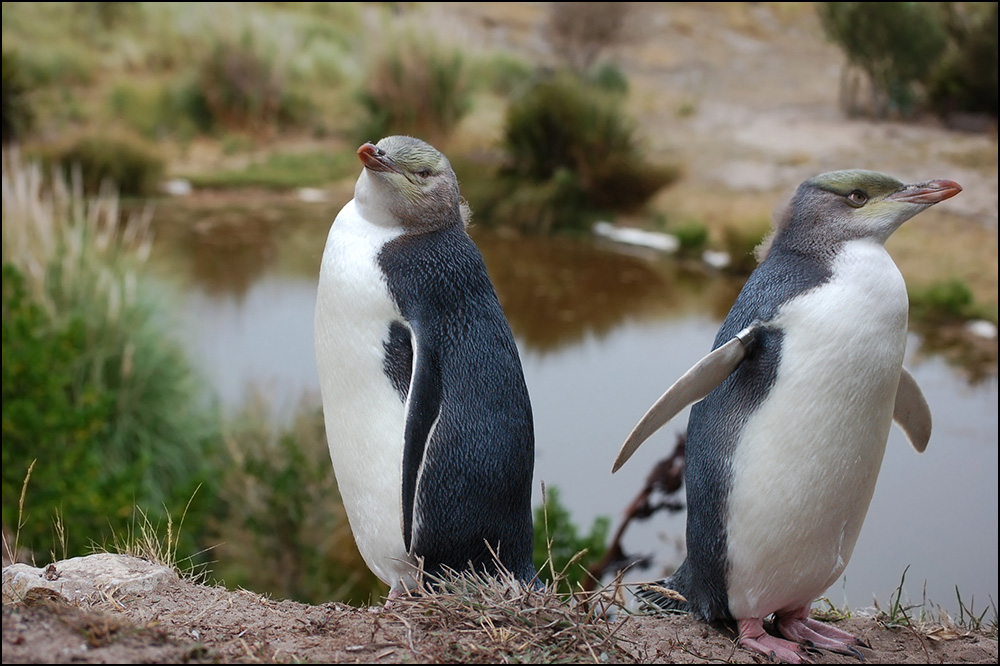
602,331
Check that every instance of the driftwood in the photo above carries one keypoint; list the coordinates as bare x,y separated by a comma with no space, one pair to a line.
666,478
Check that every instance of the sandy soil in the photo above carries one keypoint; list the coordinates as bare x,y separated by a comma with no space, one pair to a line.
745,96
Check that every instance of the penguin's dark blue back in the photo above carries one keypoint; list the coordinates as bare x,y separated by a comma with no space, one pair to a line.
717,420
476,472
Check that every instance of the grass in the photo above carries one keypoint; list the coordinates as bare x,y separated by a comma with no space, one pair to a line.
470,618
284,171
146,540
936,623
96,390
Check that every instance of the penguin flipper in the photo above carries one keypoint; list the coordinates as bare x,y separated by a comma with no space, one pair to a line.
423,407
694,385
911,412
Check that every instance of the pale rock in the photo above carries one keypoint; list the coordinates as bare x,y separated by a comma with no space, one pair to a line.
87,577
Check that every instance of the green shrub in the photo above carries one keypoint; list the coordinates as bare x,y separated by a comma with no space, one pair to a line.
967,78
560,547
61,65
238,88
609,77
18,115
572,155
896,44
950,300
282,506
501,73
129,164
95,389
413,88
156,112
692,236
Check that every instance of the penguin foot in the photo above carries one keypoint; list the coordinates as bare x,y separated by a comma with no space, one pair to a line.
818,634
754,638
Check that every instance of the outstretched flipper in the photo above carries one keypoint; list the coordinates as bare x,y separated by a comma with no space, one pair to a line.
911,412
694,385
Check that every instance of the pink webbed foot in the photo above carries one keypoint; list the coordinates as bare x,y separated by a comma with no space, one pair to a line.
754,638
799,627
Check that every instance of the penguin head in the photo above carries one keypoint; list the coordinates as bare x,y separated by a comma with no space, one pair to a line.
407,182
855,204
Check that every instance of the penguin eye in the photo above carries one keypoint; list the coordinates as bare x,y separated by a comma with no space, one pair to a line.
857,198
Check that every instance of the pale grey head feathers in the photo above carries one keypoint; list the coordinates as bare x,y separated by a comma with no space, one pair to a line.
409,183
853,204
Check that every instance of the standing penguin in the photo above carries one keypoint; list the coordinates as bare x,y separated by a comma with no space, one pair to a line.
427,412
796,400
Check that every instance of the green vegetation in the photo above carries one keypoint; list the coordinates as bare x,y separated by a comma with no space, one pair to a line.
692,235
280,505
238,88
572,154
966,79
96,394
943,302
416,88
284,170
562,554
125,162
18,116
918,54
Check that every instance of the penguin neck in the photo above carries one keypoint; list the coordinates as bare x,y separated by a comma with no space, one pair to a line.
380,204
373,202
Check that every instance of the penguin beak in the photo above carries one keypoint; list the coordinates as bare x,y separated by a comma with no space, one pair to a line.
376,159
927,193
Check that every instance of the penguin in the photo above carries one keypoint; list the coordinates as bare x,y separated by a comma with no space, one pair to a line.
427,414
792,410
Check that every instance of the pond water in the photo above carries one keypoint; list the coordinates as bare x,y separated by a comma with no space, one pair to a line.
602,332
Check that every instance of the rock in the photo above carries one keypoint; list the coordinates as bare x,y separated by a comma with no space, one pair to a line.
177,187
641,237
312,195
80,578
982,329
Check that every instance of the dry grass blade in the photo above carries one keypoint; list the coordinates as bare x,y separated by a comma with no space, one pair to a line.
472,617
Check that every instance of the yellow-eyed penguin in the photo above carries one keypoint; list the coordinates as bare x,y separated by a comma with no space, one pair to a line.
427,412
794,408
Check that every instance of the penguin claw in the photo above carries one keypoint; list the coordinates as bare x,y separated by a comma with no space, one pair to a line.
810,648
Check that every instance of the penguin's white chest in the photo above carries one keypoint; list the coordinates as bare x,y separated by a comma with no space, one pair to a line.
805,466
364,414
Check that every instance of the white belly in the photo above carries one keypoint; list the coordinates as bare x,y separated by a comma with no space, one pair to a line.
806,465
363,412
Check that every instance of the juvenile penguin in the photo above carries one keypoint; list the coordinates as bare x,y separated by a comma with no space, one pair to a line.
427,413
793,410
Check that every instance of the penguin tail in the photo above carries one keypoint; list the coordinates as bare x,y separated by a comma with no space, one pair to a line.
663,595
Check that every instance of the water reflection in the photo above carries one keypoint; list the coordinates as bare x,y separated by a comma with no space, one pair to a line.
557,291
225,245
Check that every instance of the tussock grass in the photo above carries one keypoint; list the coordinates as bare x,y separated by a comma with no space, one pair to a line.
475,618
146,540
416,88
95,389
